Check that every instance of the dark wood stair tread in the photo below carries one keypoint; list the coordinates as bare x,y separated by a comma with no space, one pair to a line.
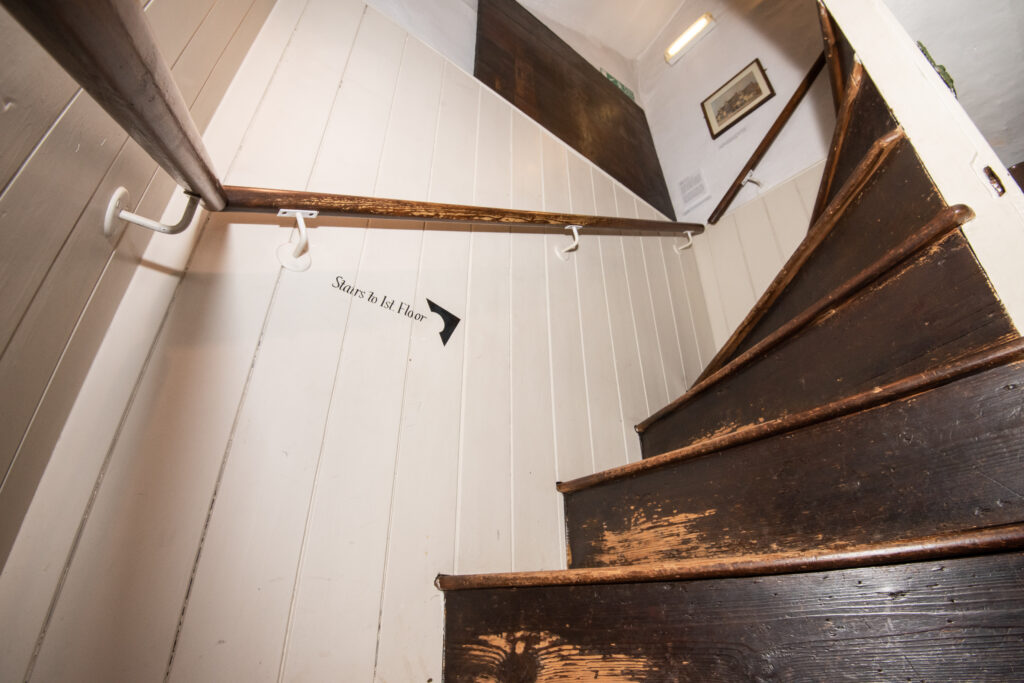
987,358
946,619
938,546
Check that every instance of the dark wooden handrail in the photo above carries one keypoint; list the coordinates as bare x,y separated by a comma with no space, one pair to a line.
254,199
769,138
1009,537
108,47
835,69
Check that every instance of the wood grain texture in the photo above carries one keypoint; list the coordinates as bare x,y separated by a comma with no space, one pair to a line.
935,546
110,49
894,202
818,231
946,620
871,339
863,120
527,64
942,224
946,459
262,200
875,396
835,69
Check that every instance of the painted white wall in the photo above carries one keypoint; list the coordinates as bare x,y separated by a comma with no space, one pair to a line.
784,35
294,464
979,44
61,157
740,256
448,26
947,141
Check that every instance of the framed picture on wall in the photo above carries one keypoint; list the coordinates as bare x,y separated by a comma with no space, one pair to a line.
741,94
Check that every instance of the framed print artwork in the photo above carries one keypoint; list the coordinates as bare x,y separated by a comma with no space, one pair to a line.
741,94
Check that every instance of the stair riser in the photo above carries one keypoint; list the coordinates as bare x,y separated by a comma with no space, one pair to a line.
897,200
869,119
900,326
957,619
945,459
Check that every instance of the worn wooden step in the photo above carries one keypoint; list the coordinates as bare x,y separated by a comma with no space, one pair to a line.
847,618
933,307
876,192
934,452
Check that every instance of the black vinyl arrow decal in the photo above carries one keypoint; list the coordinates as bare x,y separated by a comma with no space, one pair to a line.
450,321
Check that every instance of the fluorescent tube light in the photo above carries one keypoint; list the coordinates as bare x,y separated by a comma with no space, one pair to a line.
688,39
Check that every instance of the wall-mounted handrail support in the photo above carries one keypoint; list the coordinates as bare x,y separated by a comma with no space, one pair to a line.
564,253
116,212
296,257
680,248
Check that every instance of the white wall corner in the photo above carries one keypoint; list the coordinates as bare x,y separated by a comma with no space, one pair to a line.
949,144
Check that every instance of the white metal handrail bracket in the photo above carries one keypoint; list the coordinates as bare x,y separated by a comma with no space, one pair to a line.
296,257
564,253
116,212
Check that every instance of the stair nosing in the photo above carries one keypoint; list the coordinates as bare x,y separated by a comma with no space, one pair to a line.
986,540
945,221
992,356
821,224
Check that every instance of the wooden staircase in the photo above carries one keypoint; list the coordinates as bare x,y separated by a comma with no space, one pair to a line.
839,496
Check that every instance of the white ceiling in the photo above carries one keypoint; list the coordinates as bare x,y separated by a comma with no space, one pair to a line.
625,26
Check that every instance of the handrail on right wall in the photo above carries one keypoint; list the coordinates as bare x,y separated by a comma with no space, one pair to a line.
769,138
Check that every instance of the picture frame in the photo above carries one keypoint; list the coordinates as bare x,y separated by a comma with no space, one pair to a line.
737,98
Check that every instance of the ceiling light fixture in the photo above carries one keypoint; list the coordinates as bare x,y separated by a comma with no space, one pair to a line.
689,37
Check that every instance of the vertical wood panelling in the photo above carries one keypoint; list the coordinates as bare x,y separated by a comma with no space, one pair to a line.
246,571
709,284
632,394
609,449
454,167
664,316
536,507
807,185
294,110
788,217
351,148
120,602
493,151
35,91
484,530
420,535
731,272
361,456
408,148
760,249
43,331
527,178
337,595
700,307
687,308
37,559
568,378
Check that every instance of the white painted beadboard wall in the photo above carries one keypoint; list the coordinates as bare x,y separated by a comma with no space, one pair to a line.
61,279
740,256
295,465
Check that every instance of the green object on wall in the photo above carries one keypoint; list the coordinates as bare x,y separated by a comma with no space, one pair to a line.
939,68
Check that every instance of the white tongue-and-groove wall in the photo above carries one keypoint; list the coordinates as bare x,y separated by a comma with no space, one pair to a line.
297,462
